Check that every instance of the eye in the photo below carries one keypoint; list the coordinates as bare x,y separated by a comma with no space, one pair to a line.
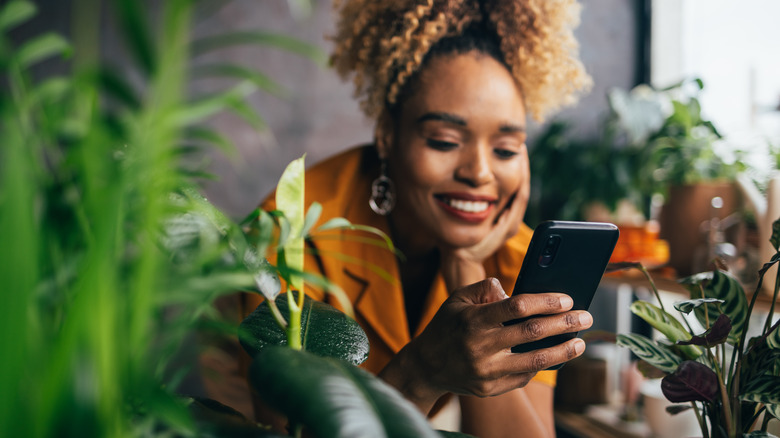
504,154
440,144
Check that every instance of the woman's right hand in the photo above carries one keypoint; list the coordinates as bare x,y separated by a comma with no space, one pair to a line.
466,348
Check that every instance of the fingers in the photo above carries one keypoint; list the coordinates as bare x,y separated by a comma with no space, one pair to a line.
524,306
544,358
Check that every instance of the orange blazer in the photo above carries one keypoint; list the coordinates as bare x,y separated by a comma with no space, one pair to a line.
342,184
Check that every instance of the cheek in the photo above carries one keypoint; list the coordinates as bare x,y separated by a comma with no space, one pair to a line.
509,176
421,171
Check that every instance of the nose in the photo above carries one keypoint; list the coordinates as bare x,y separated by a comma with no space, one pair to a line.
475,167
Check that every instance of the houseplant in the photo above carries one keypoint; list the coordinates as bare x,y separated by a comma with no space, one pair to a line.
729,379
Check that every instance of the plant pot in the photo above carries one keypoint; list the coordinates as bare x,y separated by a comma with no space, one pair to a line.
682,216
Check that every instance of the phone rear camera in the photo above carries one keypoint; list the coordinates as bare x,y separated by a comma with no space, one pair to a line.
549,250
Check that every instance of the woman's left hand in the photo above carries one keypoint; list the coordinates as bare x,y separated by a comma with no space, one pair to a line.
463,266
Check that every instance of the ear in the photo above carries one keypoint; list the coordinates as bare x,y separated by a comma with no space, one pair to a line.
383,134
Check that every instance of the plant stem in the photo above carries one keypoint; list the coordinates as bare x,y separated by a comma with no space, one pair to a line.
294,327
702,424
277,314
652,285
772,306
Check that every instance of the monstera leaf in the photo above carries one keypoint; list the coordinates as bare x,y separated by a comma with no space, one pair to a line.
722,286
325,331
331,398
656,355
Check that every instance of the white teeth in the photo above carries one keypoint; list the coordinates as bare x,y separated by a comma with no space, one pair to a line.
468,206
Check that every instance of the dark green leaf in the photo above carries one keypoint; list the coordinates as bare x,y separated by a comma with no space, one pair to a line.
775,239
717,334
14,13
40,48
724,287
333,399
116,86
774,409
646,349
137,35
758,434
773,337
325,331
764,388
687,306
692,381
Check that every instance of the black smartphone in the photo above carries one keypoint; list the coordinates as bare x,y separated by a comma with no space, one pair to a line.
568,257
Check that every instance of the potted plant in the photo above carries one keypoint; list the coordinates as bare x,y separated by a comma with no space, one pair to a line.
728,378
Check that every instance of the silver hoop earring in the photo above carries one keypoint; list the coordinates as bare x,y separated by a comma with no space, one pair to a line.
382,198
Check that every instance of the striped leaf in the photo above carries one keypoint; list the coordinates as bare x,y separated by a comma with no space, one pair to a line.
762,389
687,306
667,325
722,286
646,349
773,339
775,239
774,409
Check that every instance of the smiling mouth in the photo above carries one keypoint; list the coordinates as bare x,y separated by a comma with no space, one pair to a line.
466,208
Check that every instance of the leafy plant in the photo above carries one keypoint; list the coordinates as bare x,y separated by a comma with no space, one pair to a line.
110,255
727,379
651,139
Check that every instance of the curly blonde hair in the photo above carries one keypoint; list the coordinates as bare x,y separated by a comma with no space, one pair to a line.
383,43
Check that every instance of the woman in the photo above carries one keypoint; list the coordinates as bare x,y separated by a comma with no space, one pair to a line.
449,84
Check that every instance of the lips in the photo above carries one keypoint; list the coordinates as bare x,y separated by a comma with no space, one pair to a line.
466,207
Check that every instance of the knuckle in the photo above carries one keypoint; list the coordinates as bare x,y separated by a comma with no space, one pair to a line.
552,302
571,320
533,329
571,353
539,361
518,307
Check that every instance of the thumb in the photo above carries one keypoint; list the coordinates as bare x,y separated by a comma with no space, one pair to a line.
486,291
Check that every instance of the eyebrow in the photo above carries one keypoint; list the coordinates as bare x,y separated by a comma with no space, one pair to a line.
508,128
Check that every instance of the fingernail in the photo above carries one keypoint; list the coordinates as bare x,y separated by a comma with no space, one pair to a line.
585,318
566,302
579,346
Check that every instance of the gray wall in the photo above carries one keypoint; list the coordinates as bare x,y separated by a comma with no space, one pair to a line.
320,117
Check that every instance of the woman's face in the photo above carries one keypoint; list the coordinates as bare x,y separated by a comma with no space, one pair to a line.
455,151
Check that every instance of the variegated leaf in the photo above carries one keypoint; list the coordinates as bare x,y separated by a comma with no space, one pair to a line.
655,354
762,389
721,286
773,339
667,325
688,305
774,409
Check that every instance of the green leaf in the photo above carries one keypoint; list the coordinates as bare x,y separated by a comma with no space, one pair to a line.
333,399
137,35
646,349
211,136
774,409
762,389
721,286
205,107
773,338
289,200
325,331
687,306
40,48
335,223
283,42
315,210
14,13
775,239
667,325
115,85
262,81
758,434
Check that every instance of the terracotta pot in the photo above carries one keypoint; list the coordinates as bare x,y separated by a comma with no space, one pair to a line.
683,214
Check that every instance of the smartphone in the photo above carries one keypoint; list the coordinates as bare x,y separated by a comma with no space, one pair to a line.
568,257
